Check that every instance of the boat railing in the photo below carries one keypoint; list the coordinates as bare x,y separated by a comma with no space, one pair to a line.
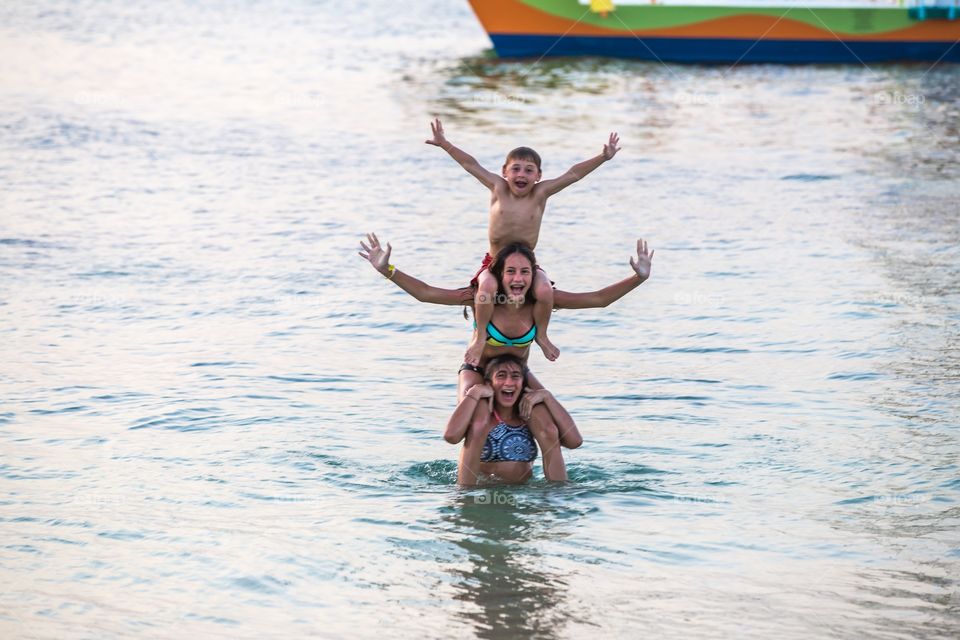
934,9
919,9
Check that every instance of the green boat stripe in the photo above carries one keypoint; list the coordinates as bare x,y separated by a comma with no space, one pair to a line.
841,20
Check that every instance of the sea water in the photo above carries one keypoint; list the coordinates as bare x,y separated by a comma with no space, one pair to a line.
216,420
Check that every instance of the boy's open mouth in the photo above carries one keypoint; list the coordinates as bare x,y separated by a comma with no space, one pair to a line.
521,183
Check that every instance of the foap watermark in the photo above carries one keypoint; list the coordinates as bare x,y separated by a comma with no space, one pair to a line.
697,297
700,99
503,298
497,99
99,501
95,301
299,100
496,497
307,300
898,98
898,300
99,99
900,500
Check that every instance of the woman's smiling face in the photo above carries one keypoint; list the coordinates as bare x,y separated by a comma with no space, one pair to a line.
517,277
507,383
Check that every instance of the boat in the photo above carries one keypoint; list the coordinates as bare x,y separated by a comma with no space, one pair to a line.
726,31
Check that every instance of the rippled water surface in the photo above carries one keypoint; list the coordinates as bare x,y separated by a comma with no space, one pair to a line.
217,420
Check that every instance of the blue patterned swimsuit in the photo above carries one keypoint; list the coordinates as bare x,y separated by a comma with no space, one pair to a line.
506,443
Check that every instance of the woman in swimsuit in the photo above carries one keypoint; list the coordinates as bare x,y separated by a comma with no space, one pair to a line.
497,441
513,312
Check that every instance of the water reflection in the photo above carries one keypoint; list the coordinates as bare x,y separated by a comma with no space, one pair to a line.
569,93
506,532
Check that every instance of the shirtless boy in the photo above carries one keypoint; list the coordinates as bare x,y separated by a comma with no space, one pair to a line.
517,202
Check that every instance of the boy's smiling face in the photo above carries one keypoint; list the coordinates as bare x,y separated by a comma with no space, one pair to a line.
521,175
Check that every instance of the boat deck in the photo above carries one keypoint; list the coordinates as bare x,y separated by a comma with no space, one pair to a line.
800,4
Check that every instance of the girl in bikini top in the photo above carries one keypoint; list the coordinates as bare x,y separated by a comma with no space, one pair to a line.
509,443
496,338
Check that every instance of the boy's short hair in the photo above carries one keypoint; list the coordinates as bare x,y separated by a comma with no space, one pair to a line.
523,153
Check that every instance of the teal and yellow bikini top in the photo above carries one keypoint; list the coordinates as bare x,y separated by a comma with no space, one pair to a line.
495,337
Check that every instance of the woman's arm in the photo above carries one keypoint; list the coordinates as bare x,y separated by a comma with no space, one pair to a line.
609,294
379,259
467,410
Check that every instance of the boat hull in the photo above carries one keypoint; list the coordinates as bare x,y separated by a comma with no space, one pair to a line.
717,35
725,50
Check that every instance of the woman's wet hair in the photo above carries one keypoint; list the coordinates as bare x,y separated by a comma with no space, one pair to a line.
499,263
494,363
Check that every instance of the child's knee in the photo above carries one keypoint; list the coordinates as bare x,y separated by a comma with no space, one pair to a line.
542,287
542,426
572,441
486,287
487,280
468,384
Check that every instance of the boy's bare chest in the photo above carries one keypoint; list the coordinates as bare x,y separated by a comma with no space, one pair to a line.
512,211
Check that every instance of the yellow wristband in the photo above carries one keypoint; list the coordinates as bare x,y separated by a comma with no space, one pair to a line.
390,271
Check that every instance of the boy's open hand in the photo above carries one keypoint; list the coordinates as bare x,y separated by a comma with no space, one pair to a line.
610,149
436,127
375,254
641,264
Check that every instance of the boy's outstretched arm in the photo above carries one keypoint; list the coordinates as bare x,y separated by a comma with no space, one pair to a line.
609,294
379,259
464,159
579,170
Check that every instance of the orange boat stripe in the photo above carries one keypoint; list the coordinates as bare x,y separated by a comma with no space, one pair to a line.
509,17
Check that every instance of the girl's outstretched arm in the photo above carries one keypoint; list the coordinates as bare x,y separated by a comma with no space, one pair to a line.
609,294
379,259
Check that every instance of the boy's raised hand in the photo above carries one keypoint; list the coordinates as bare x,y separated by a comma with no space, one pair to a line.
610,149
436,127
375,254
641,264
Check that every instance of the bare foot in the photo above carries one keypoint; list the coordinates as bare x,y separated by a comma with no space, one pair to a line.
474,352
550,351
